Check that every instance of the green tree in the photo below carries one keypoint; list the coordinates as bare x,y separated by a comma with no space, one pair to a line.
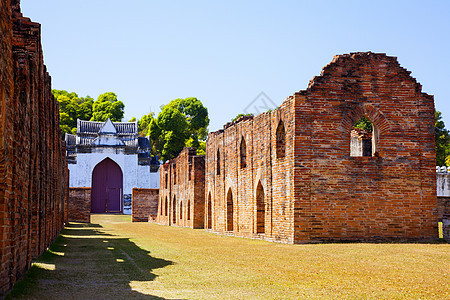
107,106
442,138
71,108
364,124
144,124
182,122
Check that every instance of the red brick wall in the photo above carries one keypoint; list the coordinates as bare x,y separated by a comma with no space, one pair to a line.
33,171
262,167
144,204
79,206
182,181
317,191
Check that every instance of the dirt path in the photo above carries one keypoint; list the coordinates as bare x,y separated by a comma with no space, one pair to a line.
112,258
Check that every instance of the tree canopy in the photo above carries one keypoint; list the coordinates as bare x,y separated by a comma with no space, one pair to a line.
181,123
364,124
73,107
442,138
107,106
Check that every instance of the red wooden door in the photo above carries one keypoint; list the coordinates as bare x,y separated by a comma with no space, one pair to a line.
107,186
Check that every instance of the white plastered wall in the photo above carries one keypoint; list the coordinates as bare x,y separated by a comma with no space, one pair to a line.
134,175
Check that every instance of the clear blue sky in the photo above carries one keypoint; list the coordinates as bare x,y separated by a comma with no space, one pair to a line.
226,52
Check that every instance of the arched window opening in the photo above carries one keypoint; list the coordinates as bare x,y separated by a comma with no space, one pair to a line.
209,208
174,211
165,207
229,210
190,170
189,210
363,138
281,140
167,179
174,174
243,153
218,162
260,209
181,210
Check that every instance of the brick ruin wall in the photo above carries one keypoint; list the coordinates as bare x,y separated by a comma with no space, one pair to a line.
33,171
316,191
182,190
144,204
249,186
79,204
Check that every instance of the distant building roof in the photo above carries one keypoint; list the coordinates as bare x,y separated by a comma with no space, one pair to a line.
93,127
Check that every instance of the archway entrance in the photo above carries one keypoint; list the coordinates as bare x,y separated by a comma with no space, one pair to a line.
107,186
260,209
229,210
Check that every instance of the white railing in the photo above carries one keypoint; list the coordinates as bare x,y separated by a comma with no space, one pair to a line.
442,169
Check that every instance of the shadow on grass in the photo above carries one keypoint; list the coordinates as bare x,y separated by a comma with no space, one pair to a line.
87,263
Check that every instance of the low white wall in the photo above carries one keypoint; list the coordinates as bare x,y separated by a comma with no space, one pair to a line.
443,181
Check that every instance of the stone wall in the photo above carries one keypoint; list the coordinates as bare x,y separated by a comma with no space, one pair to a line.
33,171
182,190
144,204
79,205
299,182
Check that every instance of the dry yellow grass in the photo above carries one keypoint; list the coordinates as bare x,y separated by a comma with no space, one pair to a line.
115,259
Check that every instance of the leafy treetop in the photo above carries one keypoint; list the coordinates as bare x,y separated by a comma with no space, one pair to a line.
442,138
107,106
73,107
181,123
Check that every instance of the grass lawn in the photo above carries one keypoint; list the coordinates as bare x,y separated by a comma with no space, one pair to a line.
113,258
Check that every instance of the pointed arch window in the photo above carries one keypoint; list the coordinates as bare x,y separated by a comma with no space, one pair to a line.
165,207
243,153
209,212
260,209
189,210
174,210
181,210
281,140
229,210
218,162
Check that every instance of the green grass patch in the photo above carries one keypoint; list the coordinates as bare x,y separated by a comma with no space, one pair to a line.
113,258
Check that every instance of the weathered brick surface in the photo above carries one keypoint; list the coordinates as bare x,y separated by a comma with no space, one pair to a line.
79,204
300,184
144,204
182,190
33,171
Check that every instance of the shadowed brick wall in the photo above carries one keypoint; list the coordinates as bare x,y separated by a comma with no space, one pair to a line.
144,204
33,171
300,183
182,190
79,204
